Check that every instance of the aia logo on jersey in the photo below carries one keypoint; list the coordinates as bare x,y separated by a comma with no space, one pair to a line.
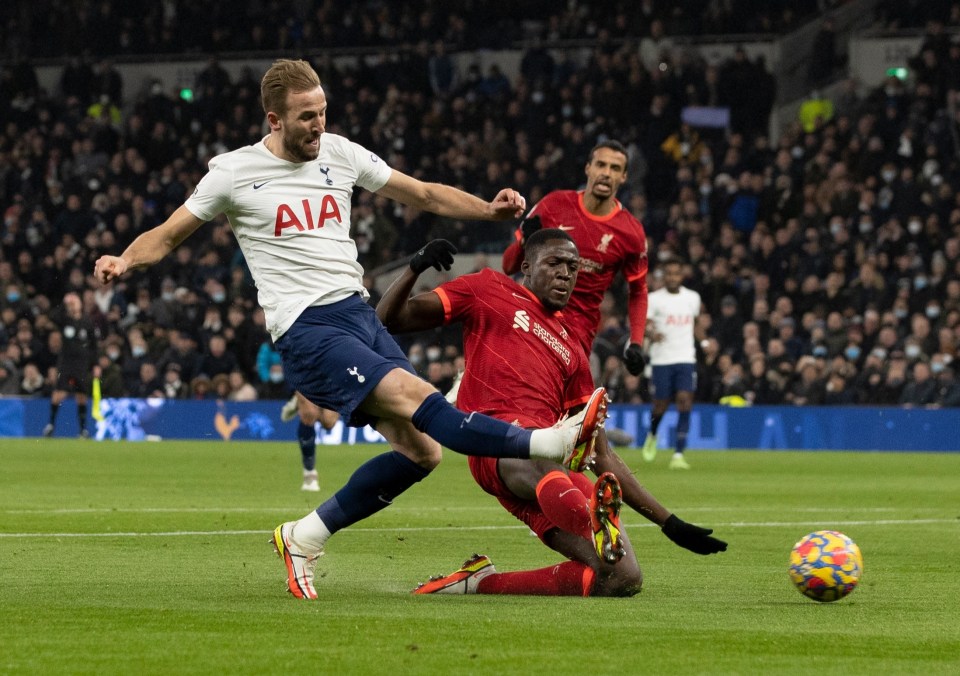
302,218
521,320
605,242
679,320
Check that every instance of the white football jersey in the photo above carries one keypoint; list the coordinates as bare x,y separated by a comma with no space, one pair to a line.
292,221
673,316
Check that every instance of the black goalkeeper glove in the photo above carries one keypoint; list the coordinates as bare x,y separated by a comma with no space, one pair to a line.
437,254
691,537
633,358
529,226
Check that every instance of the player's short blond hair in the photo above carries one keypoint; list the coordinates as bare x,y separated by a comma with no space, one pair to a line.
283,77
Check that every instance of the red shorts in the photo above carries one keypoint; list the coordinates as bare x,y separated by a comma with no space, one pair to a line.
487,476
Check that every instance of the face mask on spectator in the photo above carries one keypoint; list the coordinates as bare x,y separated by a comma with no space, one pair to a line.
114,355
900,313
914,227
835,228
852,353
888,175
276,377
433,353
937,367
912,351
865,227
920,283
218,297
13,296
138,351
820,351
167,296
932,312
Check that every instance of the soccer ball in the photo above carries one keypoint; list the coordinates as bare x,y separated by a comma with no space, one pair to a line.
826,565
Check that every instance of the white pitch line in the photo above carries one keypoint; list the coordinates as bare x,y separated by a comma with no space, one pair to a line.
733,524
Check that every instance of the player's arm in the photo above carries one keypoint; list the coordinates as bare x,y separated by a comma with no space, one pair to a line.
638,498
397,310
446,200
150,247
637,301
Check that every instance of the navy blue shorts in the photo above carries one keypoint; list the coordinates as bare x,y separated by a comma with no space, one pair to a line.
335,355
667,380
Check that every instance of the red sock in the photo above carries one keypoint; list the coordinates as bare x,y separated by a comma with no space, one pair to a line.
565,504
570,578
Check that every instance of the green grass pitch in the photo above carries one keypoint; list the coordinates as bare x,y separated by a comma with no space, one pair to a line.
152,558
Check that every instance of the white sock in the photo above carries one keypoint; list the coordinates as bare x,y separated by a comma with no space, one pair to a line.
310,532
548,443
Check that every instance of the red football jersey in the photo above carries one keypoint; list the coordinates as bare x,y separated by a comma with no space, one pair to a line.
522,365
607,245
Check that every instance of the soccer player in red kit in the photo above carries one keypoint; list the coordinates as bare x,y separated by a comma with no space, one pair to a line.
609,239
523,366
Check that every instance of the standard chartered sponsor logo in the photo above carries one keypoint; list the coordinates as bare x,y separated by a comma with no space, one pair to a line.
552,341
521,320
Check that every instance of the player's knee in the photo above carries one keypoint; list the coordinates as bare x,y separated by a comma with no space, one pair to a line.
624,579
427,454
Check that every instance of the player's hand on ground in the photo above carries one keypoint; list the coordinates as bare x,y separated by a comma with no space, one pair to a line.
529,226
633,358
508,204
108,268
437,254
698,540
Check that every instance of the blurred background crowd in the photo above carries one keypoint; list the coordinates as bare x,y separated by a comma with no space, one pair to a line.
827,255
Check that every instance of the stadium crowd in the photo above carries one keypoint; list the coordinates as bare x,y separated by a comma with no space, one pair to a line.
56,28
828,259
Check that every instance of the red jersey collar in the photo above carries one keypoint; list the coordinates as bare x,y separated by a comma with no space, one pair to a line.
601,219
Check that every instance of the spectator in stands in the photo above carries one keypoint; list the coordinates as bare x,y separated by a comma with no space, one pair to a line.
922,388
217,360
148,382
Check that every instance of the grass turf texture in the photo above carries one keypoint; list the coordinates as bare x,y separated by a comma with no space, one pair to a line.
153,558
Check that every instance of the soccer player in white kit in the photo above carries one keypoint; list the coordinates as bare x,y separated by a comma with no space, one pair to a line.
288,201
671,314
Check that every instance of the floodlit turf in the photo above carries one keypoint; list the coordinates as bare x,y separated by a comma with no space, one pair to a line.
152,558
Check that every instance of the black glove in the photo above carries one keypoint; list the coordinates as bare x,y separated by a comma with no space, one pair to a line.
633,358
437,254
691,537
529,226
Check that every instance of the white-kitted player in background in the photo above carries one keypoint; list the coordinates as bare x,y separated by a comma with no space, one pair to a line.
671,314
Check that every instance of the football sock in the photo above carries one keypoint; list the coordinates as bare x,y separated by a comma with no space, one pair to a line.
310,531
655,422
307,438
473,433
564,504
53,412
683,426
570,578
372,487
82,416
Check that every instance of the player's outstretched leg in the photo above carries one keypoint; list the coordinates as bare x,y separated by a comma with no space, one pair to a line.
569,443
